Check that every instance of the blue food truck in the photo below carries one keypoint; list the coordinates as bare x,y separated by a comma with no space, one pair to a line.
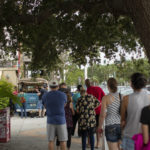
28,85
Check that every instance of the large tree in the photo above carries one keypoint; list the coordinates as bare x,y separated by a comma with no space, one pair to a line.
83,27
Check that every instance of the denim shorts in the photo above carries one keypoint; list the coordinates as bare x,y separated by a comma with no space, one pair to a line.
113,133
127,144
40,105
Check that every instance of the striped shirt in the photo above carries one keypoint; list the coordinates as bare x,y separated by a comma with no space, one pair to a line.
113,115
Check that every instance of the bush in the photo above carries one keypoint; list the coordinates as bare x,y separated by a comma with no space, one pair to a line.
6,93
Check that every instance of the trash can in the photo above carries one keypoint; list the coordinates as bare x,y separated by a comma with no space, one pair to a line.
5,125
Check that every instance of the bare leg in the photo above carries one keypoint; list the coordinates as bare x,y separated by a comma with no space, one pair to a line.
58,147
119,145
43,112
113,146
88,145
97,139
51,145
63,145
40,111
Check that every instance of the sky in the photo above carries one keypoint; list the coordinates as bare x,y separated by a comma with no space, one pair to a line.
139,53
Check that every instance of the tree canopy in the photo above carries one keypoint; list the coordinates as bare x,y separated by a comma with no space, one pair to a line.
121,71
81,27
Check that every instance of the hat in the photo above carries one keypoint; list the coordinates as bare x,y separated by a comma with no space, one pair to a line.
53,84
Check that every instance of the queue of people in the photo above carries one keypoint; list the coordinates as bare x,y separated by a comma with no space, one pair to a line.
123,128
124,120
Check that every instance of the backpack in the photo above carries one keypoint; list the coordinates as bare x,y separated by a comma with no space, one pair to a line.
22,100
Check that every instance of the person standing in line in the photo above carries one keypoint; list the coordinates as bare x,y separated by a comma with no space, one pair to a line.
63,87
41,108
75,98
69,112
98,93
54,102
111,103
87,119
131,108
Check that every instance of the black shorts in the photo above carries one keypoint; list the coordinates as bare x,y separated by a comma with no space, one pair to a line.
97,120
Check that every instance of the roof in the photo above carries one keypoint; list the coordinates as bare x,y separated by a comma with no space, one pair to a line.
33,81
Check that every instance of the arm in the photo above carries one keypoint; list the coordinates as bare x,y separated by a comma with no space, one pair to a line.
71,107
145,121
103,94
38,92
103,112
43,100
145,131
124,106
77,106
96,102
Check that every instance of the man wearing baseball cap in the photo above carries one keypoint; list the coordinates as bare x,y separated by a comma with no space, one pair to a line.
54,102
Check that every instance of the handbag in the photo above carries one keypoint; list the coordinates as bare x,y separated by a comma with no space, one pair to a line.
139,144
23,100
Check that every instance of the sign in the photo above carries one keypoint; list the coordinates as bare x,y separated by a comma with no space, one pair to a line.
5,125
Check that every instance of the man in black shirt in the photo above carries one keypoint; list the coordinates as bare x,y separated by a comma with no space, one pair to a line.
41,108
145,120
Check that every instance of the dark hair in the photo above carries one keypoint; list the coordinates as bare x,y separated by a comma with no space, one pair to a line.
69,98
82,91
112,84
21,90
62,84
53,87
79,87
138,81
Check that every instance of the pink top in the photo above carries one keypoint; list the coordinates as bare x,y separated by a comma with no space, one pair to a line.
15,93
139,145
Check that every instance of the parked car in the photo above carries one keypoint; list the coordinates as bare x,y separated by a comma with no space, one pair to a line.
28,86
148,89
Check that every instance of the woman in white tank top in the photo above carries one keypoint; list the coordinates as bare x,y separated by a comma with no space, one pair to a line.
131,110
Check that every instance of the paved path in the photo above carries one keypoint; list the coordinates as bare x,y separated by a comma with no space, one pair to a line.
30,134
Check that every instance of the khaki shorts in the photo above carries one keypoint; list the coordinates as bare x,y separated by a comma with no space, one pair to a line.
57,130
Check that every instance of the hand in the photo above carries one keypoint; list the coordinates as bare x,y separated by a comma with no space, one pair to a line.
100,131
36,90
123,123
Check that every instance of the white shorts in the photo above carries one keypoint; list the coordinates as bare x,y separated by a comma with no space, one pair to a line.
57,130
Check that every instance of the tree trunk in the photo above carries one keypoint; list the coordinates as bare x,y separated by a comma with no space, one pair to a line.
140,13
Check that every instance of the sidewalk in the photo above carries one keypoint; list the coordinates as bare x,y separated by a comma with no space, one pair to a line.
30,134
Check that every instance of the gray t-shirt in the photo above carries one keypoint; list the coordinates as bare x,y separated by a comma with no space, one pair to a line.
137,101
